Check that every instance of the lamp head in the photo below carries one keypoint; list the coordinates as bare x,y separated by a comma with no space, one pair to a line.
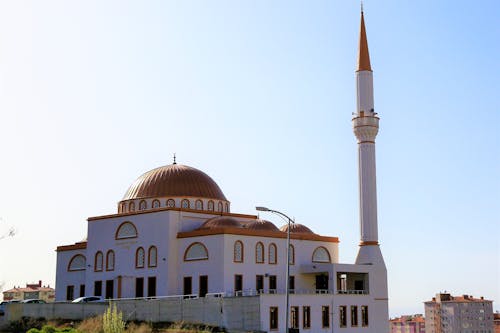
262,209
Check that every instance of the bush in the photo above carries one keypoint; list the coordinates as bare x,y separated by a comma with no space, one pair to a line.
112,320
91,325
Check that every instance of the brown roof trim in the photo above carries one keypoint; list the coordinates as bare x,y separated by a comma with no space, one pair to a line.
76,246
178,209
258,233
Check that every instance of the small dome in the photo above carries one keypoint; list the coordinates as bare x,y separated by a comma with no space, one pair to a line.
174,180
297,228
220,222
261,225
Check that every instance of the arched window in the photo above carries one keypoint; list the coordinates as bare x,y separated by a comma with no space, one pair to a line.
259,253
143,205
110,260
291,255
139,258
273,254
152,256
77,263
126,230
196,251
219,207
211,205
199,205
227,207
122,207
321,254
156,203
98,261
185,203
131,206
238,251
170,203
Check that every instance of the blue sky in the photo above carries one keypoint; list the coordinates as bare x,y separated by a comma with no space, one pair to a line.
259,95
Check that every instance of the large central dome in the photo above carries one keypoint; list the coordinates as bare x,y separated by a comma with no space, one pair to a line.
174,180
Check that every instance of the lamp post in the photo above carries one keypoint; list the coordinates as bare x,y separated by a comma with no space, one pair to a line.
287,282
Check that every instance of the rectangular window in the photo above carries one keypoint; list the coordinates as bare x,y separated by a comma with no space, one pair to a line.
70,293
82,290
97,288
354,315
306,317
188,285
272,284
109,288
325,316
152,286
294,316
259,283
238,283
203,290
273,318
342,316
364,315
139,287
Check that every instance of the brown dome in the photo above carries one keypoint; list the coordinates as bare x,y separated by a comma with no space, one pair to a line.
297,228
174,180
220,222
261,225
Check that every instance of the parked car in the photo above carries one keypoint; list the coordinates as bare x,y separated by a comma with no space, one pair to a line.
88,299
34,300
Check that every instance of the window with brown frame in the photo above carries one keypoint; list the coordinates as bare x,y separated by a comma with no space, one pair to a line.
143,205
259,253
325,316
152,256
364,315
273,318
170,203
342,316
354,315
185,203
156,204
211,205
306,317
219,207
139,258
77,263
131,206
198,205
273,259
196,251
98,260
126,230
238,251
110,260
294,317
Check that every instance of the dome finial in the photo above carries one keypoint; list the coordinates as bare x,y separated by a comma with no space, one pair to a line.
361,6
175,162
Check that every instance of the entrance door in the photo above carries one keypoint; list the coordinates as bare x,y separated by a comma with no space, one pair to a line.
321,283
109,288
203,285
188,285
139,287
152,286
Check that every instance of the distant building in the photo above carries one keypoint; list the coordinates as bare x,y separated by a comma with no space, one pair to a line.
408,324
35,290
496,322
465,314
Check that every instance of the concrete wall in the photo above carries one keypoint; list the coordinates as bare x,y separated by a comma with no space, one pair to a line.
239,313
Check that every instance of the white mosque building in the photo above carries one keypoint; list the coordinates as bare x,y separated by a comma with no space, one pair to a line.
174,234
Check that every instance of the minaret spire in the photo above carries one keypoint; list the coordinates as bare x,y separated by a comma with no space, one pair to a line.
363,54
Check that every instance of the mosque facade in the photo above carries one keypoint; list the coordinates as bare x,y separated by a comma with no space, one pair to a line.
174,234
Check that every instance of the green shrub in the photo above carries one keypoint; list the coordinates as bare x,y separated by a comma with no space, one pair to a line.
48,329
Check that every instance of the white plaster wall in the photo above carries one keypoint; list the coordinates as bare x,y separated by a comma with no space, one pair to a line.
65,278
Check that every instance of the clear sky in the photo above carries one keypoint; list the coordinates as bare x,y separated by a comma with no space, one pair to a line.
259,95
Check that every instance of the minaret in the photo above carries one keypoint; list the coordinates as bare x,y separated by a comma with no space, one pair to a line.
365,124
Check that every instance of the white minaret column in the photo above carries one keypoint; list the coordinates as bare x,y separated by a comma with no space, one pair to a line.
365,124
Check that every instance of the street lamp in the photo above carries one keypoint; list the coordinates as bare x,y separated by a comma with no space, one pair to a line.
287,282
